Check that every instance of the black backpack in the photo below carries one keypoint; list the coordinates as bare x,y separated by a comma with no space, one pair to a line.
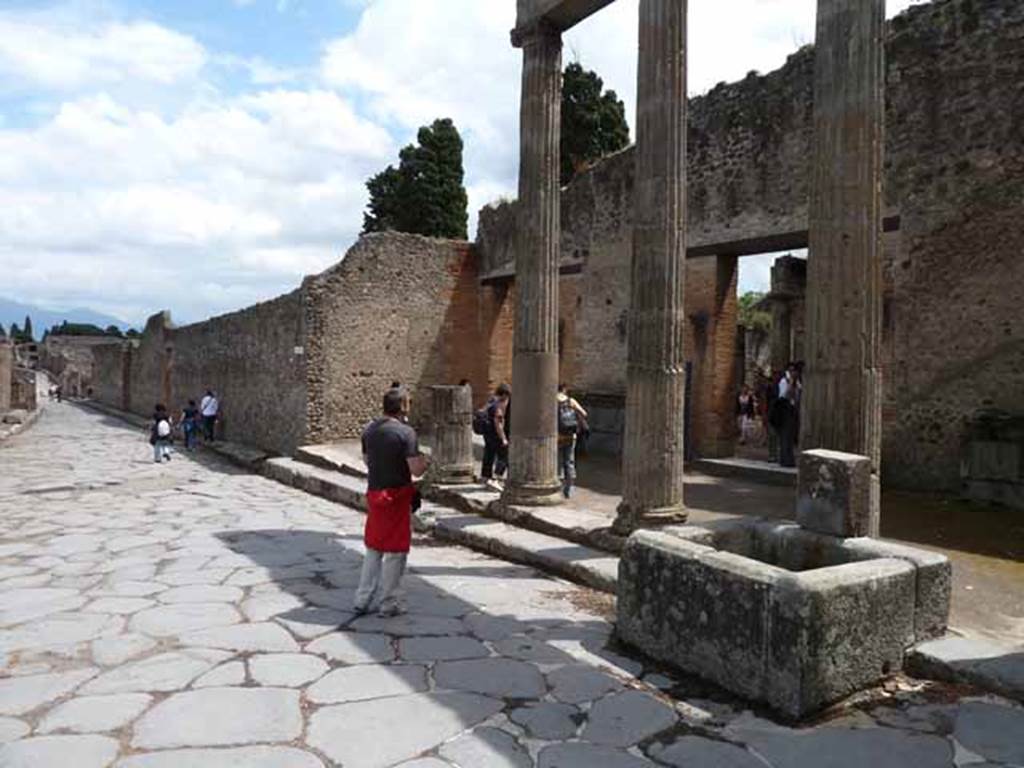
568,421
483,420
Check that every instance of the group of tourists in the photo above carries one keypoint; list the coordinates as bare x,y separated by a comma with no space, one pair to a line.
493,422
192,421
769,414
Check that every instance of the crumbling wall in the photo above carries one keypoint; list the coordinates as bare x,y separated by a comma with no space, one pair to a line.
954,172
398,308
111,381
24,394
254,360
6,372
149,366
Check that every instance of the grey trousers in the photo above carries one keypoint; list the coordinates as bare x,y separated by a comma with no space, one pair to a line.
381,577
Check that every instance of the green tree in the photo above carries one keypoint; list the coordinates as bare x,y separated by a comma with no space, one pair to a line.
27,330
426,194
593,121
112,330
751,315
15,333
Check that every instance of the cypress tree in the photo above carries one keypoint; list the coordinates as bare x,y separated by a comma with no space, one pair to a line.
593,121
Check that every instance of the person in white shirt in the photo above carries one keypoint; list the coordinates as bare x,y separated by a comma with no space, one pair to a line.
789,398
208,408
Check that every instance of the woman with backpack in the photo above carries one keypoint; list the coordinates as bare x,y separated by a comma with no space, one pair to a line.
160,434
492,422
571,418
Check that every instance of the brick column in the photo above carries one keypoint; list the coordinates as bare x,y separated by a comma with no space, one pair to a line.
533,475
653,450
842,393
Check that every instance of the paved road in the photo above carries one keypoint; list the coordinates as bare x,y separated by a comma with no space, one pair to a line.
188,615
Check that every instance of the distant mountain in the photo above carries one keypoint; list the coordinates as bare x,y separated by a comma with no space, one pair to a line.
14,312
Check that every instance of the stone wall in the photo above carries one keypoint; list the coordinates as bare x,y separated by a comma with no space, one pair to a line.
255,362
397,308
954,173
111,380
24,393
6,372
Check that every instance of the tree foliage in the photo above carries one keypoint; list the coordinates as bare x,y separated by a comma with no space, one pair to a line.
593,121
83,329
26,332
425,195
751,316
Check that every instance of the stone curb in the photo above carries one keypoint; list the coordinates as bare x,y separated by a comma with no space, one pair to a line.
970,661
765,476
8,431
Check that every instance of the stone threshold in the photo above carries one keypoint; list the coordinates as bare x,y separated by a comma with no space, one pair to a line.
764,472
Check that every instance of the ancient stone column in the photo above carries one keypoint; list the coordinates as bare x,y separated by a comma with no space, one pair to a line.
452,414
842,394
533,475
653,450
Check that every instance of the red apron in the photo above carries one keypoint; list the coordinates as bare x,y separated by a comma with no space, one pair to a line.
388,522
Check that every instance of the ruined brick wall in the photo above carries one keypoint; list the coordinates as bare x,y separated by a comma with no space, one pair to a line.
149,366
398,307
254,360
24,390
6,372
111,380
954,172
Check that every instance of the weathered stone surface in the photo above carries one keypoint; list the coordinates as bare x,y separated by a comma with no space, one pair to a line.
995,732
410,625
110,651
231,673
487,746
221,716
699,751
287,670
578,684
354,647
94,714
59,752
441,648
548,721
797,641
12,729
531,649
186,617
834,494
54,630
241,757
314,621
588,756
118,605
626,718
848,748
362,735
19,605
201,593
267,638
19,695
503,678
164,672
367,682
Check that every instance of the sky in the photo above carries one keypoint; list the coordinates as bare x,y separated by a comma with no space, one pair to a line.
202,155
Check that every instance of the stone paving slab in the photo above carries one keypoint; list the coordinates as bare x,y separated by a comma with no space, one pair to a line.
191,615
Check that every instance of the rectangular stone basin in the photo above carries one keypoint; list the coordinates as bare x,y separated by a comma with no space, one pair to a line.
777,614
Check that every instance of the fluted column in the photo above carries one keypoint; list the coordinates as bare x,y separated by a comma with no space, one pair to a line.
653,450
842,393
533,476
452,420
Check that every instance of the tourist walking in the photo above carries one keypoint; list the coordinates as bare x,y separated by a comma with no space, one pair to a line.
392,456
160,434
190,424
496,421
209,406
571,417
746,408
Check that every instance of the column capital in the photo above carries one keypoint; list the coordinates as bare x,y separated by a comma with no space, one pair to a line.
539,32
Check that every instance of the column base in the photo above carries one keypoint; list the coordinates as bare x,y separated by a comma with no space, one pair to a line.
533,495
628,519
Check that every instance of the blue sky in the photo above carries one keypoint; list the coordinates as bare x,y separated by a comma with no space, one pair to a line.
201,155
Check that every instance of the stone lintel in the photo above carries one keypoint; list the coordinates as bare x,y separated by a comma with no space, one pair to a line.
560,14
834,494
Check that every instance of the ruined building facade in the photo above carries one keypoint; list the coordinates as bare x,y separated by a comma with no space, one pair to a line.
309,366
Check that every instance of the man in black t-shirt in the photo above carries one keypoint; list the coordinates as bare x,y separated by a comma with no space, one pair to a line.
393,458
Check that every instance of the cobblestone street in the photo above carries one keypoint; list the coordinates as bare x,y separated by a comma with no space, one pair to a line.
191,615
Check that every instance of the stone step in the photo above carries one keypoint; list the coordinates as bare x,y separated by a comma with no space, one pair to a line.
580,564
343,456
328,484
974,661
748,469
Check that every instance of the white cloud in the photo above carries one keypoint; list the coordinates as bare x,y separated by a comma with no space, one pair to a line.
67,57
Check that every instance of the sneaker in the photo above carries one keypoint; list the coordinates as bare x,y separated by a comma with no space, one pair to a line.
390,611
567,491
360,610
